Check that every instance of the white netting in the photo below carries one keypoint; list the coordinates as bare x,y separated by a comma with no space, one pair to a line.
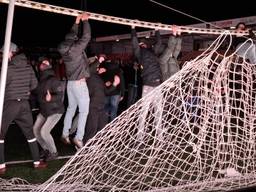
195,132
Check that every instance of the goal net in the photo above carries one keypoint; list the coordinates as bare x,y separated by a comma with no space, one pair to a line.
194,132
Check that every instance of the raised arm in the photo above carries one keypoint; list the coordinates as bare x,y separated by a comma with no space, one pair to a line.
71,42
82,42
135,43
158,45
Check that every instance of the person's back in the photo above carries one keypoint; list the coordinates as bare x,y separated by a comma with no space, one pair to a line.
151,73
20,79
147,58
76,64
72,52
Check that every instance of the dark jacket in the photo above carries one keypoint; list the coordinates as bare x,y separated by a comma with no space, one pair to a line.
97,89
239,40
113,69
72,52
48,81
21,79
147,57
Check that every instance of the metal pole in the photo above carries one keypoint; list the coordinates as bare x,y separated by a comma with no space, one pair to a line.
122,21
8,33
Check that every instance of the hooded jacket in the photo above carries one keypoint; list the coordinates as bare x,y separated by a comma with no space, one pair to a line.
72,52
96,87
48,81
147,57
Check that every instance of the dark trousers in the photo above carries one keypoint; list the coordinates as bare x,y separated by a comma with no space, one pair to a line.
111,106
132,95
18,111
96,120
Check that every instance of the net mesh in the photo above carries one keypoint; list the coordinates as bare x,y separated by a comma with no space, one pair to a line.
194,132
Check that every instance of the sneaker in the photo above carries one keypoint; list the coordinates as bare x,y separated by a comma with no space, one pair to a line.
51,156
2,170
79,144
65,140
40,165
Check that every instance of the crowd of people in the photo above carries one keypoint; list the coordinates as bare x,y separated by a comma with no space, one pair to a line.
93,89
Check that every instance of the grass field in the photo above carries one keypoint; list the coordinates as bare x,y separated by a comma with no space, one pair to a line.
17,149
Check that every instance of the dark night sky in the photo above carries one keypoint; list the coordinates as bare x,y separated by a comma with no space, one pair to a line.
33,27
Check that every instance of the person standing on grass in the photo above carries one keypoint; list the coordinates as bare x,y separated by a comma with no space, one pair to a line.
50,94
21,80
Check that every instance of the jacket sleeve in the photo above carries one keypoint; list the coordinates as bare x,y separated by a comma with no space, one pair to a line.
72,35
169,50
158,44
135,44
82,42
70,38
33,79
109,89
122,82
57,89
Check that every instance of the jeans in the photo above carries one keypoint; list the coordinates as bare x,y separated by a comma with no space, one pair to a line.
42,130
151,111
78,96
111,106
248,51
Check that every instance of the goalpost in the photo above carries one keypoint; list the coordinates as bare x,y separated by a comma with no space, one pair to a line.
198,134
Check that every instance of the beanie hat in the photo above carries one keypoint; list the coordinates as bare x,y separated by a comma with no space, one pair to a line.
13,48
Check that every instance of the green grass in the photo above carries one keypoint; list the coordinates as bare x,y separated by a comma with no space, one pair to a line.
28,173
17,149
